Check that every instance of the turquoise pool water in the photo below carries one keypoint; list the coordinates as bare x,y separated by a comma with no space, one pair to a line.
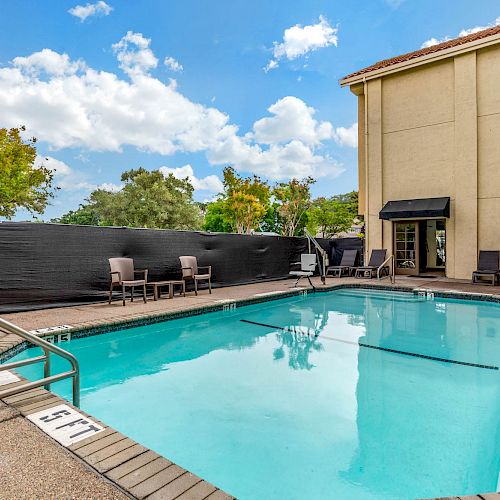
303,411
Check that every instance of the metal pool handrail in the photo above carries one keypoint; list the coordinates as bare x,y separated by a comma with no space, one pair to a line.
392,274
47,379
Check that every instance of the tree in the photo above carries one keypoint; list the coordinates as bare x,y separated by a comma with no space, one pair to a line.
350,200
241,207
247,211
22,184
148,199
84,215
330,216
216,219
294,198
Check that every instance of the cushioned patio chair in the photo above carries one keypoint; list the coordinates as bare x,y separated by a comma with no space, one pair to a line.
307,267
347,263
122,274
191,272
377,258
488,267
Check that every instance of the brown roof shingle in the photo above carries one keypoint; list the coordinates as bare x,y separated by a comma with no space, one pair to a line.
495,30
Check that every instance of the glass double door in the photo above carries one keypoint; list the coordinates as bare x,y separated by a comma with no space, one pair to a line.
406,239
420,246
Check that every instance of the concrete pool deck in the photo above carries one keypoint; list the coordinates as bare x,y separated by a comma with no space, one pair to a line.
110,465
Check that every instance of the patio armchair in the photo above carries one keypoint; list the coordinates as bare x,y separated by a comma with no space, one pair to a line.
377,258
307,267
122,274
191,272
488,266
346,265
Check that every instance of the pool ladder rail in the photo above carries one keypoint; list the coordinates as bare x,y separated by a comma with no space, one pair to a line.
392,274
47,379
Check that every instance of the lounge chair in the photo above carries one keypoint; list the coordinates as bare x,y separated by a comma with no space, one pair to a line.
190,272
377,258
347,263
488,266
122,274
307,267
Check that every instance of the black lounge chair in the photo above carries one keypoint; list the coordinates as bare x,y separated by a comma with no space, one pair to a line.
377,258
488,266
347,262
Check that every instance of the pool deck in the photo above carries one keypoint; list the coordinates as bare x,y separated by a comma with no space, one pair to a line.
109,464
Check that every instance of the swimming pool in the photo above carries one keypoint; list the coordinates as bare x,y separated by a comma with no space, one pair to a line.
332,395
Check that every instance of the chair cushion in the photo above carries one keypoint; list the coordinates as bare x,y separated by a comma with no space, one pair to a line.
484,271
201,276
133,282
301,273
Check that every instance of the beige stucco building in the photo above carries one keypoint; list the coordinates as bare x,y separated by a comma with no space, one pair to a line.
429,127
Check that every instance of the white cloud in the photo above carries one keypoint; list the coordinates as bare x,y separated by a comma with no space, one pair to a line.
293,159
467,31
70,105
134,55
347,136
64,176
272,64
91,9
172,64
49,62
433,41
209,183
300,40
109,186
475,29
292,119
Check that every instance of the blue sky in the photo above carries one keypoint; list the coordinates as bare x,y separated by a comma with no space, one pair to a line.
92,82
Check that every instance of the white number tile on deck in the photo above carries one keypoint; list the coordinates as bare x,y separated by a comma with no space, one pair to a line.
7,377
65,425
50,329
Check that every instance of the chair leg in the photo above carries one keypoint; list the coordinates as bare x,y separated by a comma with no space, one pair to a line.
110,293
144,292
123,294
196,287
209,286
132,294
297,282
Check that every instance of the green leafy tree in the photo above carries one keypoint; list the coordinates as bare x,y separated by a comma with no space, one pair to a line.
84,215
294,200
331,216
350,200
22,184
147,199
242,206
216,219
272,219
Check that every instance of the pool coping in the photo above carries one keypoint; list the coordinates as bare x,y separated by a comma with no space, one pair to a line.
136,470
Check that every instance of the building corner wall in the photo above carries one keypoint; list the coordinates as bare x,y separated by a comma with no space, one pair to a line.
465,209
374,177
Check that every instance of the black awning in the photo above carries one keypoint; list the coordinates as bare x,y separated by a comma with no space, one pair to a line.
414,209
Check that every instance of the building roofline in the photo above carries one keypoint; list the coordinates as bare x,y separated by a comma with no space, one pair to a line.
443,50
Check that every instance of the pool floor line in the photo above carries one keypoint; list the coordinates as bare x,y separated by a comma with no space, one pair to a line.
379,348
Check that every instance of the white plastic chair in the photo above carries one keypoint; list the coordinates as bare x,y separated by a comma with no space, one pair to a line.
307,266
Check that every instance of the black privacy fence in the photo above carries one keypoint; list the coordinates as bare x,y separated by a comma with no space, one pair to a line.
47,265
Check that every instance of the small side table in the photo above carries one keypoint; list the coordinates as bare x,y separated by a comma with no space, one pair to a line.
180,283
157,288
